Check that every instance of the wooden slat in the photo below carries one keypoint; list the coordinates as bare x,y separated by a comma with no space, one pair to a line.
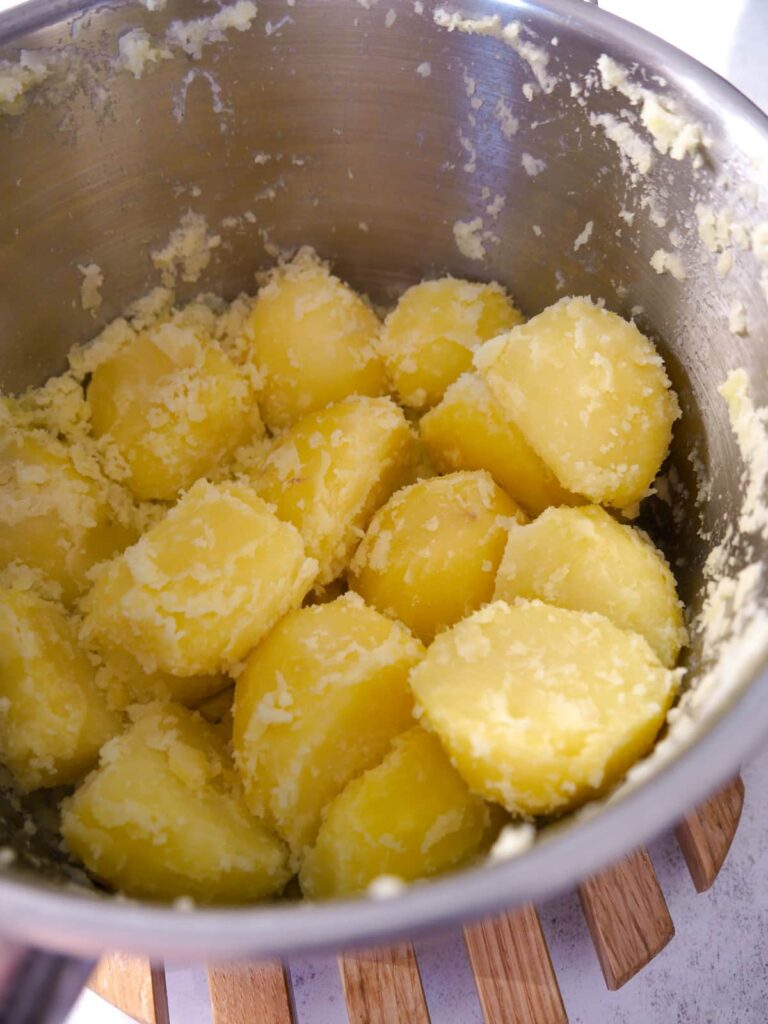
160,995
252,994
133,985
705,835
383,986
627,917
513,972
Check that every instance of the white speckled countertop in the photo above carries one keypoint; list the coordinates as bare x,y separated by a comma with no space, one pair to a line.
715,970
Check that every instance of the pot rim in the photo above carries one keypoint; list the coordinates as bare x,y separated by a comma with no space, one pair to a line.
53,918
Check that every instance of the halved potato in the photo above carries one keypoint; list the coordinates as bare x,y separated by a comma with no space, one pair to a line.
590,395
431,553
581,558
202,586
173,406
541,708
312,340
55,513
468,430
318,702
331,470
53,719
411,816
163,816
429,337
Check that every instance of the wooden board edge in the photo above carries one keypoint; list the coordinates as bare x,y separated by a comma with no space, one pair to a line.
706,834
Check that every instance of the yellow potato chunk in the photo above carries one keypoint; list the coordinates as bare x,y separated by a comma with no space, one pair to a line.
312,341
542,708
411,816
581,558
468,430
201,587
53,719
174,407
54,516
163,816
331,470
319,702
429,337
431,553
591,396
123,681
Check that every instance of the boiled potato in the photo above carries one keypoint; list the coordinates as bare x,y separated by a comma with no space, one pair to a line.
431,553
173,406
590,395
54,510
53,719
581,558
318,702
331,470
429,337
468,430
200,588
123,681
411,816
163,816
542,708
312,341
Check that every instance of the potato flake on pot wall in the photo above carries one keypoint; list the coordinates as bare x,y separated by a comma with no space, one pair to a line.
670,130
512,34
90,288
188,250
664,262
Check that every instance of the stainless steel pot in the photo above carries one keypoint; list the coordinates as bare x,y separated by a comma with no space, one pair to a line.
374,145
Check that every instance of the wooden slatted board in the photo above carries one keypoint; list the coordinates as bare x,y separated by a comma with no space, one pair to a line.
383,985
256,994
627,917
624,908
134,985
515,980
